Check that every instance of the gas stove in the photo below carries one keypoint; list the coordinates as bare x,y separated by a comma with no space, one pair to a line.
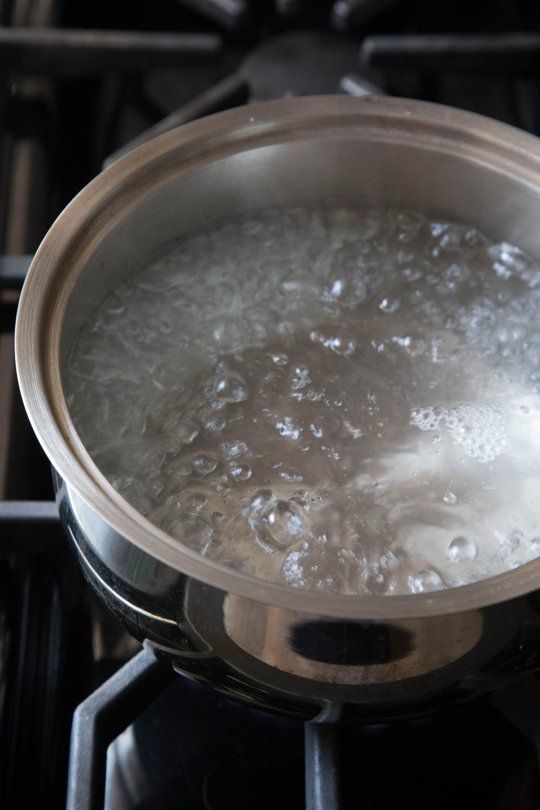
87,717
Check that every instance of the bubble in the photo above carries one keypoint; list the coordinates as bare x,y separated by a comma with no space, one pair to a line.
508,260
240,472
426,580
293,569
133,491
411,274
479,429
462,549
450,498
317,567
426,418
290,475
300,378
115,305
235,449
229,387
196,501
511,542
280,359
283,524
357,292
261,497
405,342
341,344
216,423
203,464
535,545
523,409
154,483
286,427
228,334
438,228
301,501
331,452
353,430
448,238
389,305
317,431
183,431
300,287
188,527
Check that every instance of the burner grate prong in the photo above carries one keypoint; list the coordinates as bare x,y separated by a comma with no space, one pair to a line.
77,52
514,54
102,717
321,765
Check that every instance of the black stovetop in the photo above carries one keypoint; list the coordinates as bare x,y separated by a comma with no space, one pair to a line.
68,108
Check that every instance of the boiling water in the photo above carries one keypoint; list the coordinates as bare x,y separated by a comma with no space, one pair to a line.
341,400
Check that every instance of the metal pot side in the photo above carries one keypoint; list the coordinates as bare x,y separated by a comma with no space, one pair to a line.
276,647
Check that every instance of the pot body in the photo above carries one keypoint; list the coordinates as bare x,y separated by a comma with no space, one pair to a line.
376,657
296,662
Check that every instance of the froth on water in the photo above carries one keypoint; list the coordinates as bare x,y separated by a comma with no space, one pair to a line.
343,400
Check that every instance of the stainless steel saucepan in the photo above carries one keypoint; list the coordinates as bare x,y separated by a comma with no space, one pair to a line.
277,647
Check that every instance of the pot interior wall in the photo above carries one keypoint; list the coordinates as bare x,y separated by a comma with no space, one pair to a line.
439,179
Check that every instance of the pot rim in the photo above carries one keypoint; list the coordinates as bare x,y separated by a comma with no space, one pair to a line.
60,257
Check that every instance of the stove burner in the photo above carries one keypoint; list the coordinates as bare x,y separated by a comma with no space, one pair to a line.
184,739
